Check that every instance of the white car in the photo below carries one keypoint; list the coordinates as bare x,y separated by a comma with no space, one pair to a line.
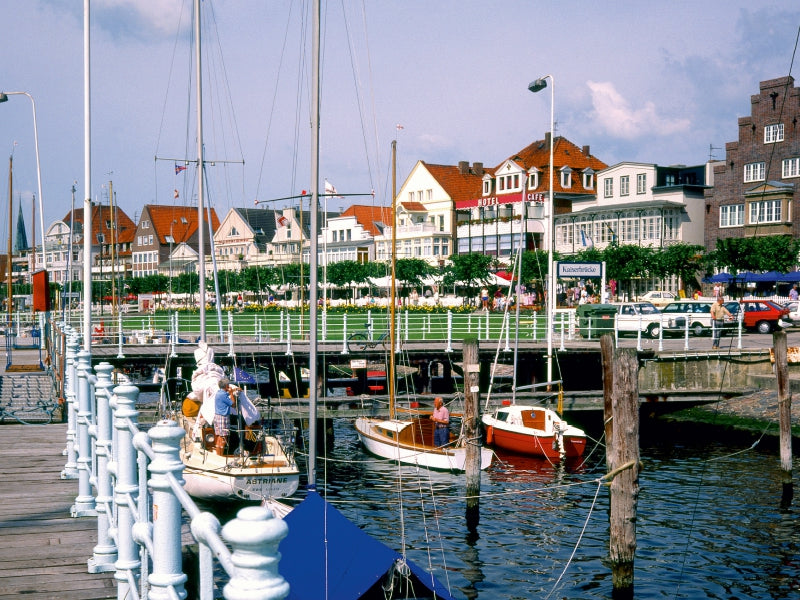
633,317
658,298
794,311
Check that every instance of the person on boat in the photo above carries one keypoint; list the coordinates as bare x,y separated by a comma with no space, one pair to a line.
441,423
222,411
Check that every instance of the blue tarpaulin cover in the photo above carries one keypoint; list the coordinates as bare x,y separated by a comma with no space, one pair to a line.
324,549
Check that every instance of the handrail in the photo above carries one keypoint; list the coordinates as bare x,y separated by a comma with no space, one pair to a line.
139,498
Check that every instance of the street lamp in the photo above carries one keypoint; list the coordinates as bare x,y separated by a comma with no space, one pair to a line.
4,98
537,86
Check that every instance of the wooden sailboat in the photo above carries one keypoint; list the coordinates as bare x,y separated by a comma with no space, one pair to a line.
531,430
409,440
253,465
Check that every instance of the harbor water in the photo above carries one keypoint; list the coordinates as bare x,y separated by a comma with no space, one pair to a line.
712,520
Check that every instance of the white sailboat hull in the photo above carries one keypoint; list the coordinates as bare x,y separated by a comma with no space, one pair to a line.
372,433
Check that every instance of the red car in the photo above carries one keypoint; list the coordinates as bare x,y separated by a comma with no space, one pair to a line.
762,315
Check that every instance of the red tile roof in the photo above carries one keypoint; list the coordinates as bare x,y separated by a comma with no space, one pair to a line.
565,153
101,219
370,216
458,185
184,218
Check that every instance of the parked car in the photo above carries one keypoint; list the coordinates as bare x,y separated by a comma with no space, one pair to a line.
762,316
633,317
700,312
658,298
794,311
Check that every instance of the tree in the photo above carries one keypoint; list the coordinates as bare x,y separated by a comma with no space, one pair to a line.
683,260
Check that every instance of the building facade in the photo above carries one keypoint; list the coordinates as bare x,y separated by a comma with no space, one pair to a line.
755,188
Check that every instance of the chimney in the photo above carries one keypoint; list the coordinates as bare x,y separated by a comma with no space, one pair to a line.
477,169
585,151
463,167
547,139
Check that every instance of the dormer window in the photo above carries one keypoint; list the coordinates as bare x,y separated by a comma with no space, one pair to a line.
533,178
588,178
487,185
566,177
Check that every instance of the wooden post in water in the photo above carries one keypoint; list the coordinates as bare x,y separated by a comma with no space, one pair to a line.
607,362
625,486
472,430
784,412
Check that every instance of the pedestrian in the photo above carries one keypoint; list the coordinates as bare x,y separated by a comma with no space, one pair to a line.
441,423
793,295
485,298
223,404
718,315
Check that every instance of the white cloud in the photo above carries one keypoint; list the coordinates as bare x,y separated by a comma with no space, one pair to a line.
158,15
614,115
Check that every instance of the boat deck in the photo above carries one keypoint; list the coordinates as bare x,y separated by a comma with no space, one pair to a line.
45,551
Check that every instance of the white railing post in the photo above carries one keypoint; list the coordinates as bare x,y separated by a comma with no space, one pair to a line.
254,536
449,347
506,327
344,334
105,552
125,468
740,316
486,337
686,332
173,334
166,576
71,467
231,352
288,334
84,502
120,336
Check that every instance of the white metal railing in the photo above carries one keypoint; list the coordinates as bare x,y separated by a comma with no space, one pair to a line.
128,476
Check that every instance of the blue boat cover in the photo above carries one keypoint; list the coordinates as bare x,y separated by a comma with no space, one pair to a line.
241,376
324,549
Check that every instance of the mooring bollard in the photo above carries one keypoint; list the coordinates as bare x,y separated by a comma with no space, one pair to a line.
254,536
71,467
105,552
167,578
84,502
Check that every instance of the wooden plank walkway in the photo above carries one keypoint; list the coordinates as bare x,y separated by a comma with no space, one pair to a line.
44,552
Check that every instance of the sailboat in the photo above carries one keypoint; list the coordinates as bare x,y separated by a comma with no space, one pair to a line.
409,440
253,465
531,430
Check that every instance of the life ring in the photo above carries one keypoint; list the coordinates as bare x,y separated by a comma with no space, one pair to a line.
489,434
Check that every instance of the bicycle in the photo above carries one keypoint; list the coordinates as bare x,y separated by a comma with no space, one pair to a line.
359,341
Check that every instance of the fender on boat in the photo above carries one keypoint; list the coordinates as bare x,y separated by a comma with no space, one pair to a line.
489,434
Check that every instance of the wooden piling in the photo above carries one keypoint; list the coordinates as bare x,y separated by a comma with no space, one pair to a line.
472,430
784,406
607,362
625,485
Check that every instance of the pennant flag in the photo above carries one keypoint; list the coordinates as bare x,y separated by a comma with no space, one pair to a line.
587,241
399,127
176,194
179,168
280,220
330,190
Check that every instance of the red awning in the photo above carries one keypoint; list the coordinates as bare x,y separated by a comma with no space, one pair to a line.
505,275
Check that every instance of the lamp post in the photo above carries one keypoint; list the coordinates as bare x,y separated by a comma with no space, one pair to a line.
4,98
537,86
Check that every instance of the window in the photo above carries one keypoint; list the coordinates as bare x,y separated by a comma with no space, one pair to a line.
533,179
588,179
731,215
754,171
791,167
566,177
773,133
625,185
766,211
487,187
608,187
641,183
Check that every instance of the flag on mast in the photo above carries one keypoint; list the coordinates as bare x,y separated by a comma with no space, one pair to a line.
280,220
179,168
330,190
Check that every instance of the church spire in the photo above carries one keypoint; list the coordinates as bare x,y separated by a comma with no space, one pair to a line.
21,237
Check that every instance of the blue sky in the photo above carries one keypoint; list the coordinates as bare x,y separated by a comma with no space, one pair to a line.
637,81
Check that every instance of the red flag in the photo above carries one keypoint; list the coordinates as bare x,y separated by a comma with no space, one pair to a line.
280,220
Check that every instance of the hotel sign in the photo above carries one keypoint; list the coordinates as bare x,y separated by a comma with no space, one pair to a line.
535,197
583,269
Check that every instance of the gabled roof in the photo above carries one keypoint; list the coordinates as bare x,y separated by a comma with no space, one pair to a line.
372,218
182,220
565,153
458,185
413,207
101,218
261,221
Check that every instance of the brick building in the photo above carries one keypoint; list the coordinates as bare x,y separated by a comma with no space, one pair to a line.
755,188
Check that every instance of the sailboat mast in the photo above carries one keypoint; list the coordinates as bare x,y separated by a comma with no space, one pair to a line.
201,246
10,301
314,243
393,288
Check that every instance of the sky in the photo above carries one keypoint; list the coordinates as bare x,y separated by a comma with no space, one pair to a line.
647,81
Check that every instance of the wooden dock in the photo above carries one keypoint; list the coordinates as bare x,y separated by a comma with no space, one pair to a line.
44,551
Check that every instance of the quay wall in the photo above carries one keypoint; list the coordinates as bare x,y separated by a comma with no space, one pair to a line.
679,371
